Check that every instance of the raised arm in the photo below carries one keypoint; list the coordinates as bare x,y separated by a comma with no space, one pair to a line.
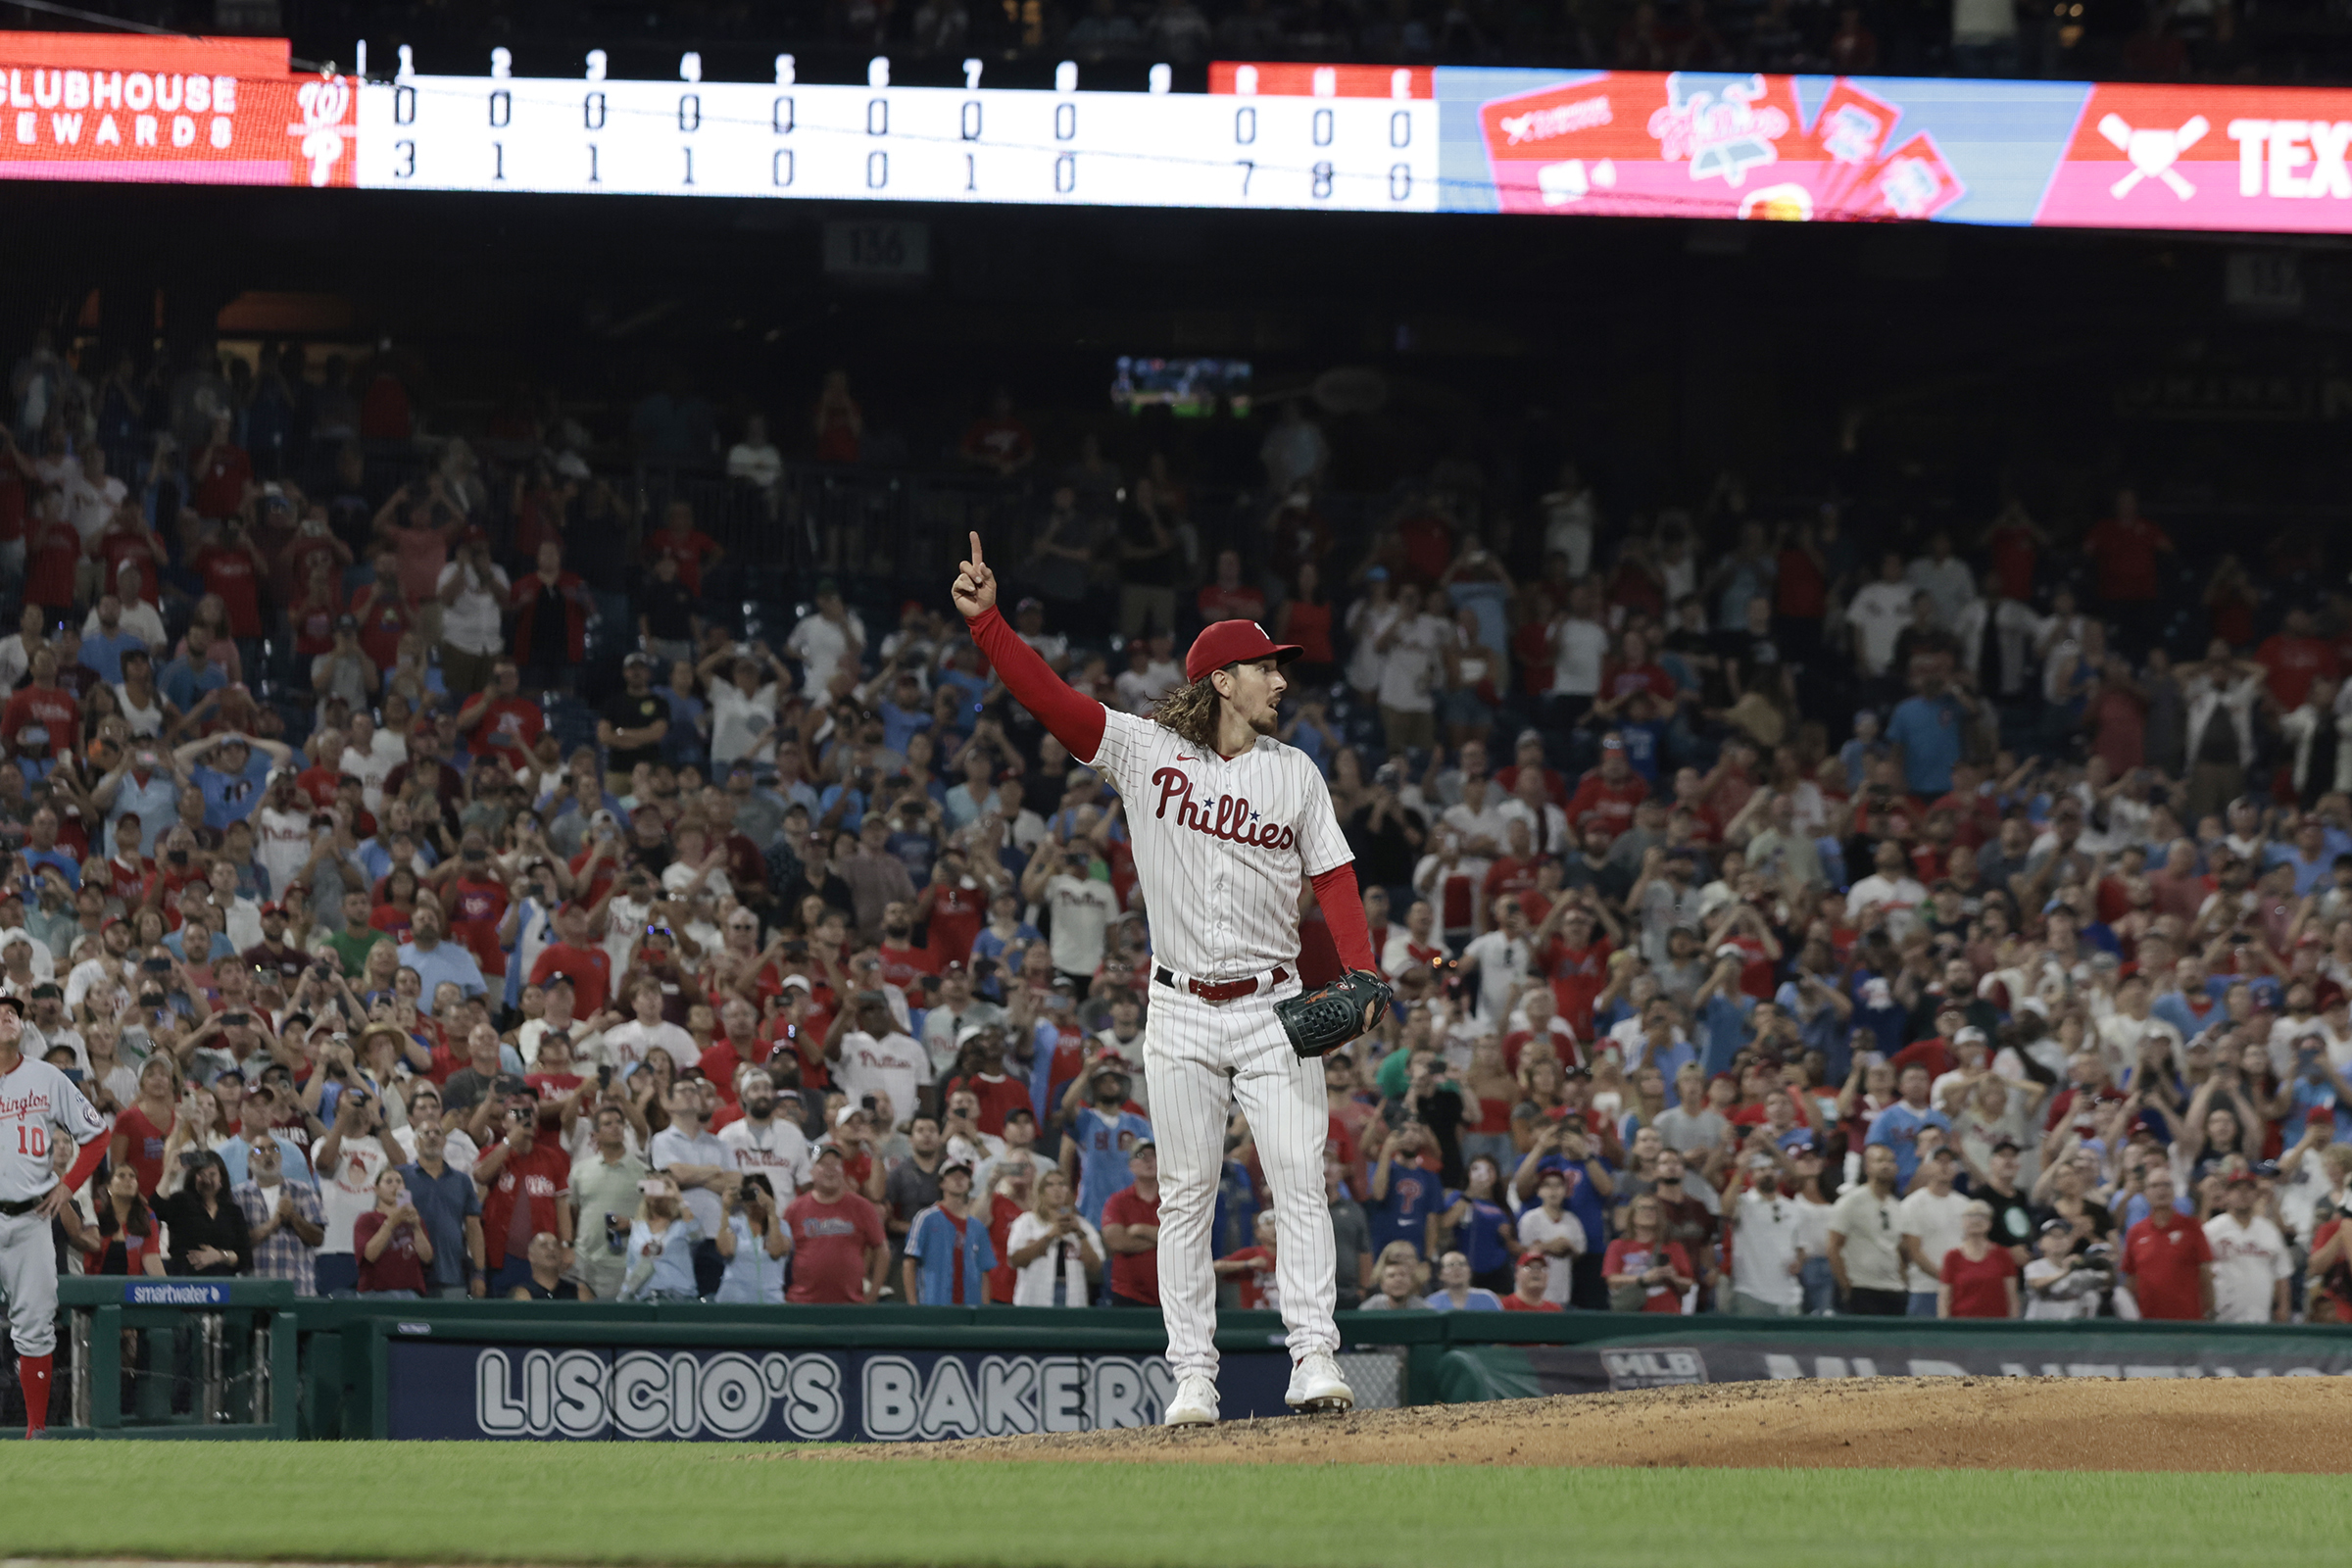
1075,721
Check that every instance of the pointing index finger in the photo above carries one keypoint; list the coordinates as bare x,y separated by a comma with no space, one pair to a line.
976,557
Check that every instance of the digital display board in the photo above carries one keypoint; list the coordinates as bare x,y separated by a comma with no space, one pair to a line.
1293,136
1354,138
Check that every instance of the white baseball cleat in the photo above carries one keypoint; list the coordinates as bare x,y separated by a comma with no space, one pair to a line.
1195,1404
1316,1385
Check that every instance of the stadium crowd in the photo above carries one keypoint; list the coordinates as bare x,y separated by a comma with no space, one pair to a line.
1780,923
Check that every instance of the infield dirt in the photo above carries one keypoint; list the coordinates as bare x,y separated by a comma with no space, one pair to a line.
2230,1425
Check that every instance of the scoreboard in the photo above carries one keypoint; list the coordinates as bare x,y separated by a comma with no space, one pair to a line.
1294,138
1360,138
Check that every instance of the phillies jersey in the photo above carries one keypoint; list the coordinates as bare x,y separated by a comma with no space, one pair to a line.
34,1101
1221,845
1601,809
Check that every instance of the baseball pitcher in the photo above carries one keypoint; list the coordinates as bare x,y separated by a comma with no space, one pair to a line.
1224,820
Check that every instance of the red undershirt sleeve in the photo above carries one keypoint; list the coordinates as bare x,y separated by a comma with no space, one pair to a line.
1076,720
86,1162
1343,913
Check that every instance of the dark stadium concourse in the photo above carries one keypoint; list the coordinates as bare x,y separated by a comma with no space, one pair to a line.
1931,366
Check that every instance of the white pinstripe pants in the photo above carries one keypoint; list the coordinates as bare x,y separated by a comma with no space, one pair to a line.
1200,1059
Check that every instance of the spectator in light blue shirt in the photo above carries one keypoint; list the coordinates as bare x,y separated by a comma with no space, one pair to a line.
948,1250
1900,1126
661,1248
102,651
257,1114
1926,731
233,774
185,679
1456,1292
2311,854
1104,1134
436,961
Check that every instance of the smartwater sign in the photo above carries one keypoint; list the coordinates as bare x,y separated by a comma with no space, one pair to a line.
188,1293
437,1390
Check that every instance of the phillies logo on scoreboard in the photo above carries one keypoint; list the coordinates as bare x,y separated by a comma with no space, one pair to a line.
1704,144
1231,817
208,111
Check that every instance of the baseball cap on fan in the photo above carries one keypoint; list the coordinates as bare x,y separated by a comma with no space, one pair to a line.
1234,642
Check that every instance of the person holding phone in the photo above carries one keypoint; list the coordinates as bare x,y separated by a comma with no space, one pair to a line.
661,1244
391,1243
351,1161
755,1243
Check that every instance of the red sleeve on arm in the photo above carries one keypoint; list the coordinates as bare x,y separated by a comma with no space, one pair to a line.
1076,720
86,1162
1343,913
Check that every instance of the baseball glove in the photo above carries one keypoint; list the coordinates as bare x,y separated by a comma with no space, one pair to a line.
1319,1022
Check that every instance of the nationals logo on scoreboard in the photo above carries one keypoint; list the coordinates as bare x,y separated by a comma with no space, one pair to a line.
202,111
1699,144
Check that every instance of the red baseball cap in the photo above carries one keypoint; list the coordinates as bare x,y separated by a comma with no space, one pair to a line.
1234,642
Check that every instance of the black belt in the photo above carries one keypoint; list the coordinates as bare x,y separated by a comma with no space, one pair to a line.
18,1207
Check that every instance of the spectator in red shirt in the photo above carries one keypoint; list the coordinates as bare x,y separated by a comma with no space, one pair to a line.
2123,551
2016,542
316,609
1978,1279
222,473
1427,540
1575,960
128,543
901,960
954,902
1252,1267
1602,806
498,721
997,1094
1535,1276
580,957
1646,1273
1131,1232
1630,671
1229,598
232,569
56,554
527,1186
839,1252
685,544
2167,1257
420,526
1530,755
44,705
1002,444
390,1240
384,612
2294,656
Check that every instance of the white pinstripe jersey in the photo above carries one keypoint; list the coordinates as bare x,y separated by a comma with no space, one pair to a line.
1220,847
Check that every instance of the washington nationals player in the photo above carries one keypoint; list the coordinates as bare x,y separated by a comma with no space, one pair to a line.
1224,821
36,1099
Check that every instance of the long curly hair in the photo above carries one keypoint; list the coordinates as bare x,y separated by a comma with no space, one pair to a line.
1190,711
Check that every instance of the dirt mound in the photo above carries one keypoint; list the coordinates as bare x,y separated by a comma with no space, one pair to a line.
2273,1423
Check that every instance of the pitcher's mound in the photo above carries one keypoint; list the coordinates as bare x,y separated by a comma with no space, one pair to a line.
2276,1424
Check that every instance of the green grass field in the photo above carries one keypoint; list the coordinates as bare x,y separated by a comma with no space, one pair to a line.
696,1503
